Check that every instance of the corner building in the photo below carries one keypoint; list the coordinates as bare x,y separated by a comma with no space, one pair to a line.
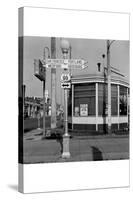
88,105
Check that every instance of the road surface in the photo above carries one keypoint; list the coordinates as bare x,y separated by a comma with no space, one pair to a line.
38,150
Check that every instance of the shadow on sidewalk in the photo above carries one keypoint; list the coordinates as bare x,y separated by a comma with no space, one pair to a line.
96,153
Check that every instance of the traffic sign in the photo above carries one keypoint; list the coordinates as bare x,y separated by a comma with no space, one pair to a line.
76,61
72,62
54,62
65,85
65,77
65,63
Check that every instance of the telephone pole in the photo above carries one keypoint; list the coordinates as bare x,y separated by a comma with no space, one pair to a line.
109,85
53,85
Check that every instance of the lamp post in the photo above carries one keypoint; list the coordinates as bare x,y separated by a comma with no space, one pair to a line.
66,137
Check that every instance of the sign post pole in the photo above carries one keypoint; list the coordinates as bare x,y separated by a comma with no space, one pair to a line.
66,136
65,63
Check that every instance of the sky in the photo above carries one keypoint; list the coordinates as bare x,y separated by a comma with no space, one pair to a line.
90,50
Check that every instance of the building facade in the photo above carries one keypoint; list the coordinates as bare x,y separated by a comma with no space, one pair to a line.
89,107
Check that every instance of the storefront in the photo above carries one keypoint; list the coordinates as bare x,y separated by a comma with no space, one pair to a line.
89,108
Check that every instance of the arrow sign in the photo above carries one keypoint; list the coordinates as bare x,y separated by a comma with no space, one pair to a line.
65,85
65,63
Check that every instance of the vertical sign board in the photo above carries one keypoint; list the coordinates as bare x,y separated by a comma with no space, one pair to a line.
39,70
83,109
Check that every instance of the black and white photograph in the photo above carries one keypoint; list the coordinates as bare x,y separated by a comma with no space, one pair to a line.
74,99
66,100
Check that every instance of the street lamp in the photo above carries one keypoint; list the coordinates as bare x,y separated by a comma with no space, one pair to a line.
65,47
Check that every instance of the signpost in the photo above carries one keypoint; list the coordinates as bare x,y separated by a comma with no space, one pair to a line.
65,63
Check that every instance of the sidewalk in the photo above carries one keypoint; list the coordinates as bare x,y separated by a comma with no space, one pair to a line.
37,134
38,150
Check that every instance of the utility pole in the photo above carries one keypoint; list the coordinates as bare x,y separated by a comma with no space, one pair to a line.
110,69
53,85
44,109
109,86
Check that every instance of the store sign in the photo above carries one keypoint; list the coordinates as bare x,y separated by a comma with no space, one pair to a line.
83,109
39,70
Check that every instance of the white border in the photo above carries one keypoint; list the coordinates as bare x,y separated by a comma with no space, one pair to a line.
75,23
84,175
75,176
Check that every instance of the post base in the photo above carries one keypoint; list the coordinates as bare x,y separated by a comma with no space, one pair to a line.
66,153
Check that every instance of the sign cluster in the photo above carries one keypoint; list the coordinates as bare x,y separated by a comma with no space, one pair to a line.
65,80
41,65
65,63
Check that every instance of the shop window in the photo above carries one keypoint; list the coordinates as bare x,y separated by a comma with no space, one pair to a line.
123,100
103,99
114,100
84,99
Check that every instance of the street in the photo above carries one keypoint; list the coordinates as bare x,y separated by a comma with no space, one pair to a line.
38,150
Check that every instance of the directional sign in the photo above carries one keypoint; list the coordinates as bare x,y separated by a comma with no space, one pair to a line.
65,77
65,85
54,62
76,61
65,63
72,62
